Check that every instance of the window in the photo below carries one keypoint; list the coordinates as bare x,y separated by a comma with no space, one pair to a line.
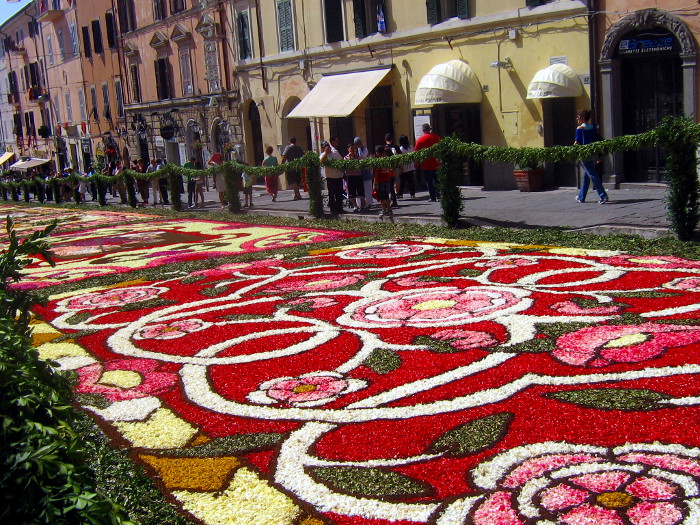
245,50
333,13
49,48
18,129
57,108
440,10
34,76
135,82
286,25
111,30
369,17
163,77
69,108
119,94
81,103
535,3
61,47
158,11
97,37
74,39
93,98
87,48
127,15
186,74
13,87
29,121
33,28
106,111
177,6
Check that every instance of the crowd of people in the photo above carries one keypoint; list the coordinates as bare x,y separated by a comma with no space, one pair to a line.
356,189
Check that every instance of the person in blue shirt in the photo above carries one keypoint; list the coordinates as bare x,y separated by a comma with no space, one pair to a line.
586,133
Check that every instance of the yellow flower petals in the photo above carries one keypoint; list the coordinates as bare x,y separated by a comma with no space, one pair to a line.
55,351
162,430
121,378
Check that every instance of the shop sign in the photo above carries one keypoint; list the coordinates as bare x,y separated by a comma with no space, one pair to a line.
647,43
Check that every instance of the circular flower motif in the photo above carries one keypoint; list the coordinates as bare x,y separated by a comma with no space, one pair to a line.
686,284
435,307
597,346
506,262
113,297
466,339
308,390
124,379
315,302
171,330
571,308
318,283
383,251
555,483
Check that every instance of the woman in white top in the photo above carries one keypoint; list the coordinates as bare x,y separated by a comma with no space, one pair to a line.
407,177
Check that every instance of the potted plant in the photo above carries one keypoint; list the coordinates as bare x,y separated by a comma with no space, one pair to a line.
529,173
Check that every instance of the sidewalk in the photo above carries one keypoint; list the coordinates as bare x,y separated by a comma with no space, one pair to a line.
635,210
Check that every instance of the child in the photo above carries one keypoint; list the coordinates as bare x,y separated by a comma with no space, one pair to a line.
382,181
247,188
271,181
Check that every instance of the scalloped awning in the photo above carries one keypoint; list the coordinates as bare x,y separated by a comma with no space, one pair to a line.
555,81
452,82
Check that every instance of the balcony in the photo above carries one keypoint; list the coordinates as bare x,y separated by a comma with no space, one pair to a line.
18,50
49,15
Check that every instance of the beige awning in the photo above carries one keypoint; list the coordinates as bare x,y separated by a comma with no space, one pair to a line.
453,82
555,81
5,157
338,95
24,165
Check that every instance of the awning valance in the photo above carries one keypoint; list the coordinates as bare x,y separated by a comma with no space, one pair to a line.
24,165
453,82
338,95
6,156
555,81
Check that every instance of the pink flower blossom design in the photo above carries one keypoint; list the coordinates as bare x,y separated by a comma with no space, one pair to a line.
112,298
586,485
151,382
597,346
651,261
308,390
466,339
171,330
227,270
439,306
571,308
686,284
383,251
409,282
506,262
315,302
318,283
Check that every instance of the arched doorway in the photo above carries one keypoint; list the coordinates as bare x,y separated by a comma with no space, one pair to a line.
256,133
295,127
648,70
193,140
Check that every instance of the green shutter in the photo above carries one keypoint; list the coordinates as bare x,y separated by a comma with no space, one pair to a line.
284,12
534,3
244,36
433,11
462,8
360,18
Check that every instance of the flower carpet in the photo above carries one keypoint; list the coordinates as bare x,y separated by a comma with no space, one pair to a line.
115,249
418,381
29,219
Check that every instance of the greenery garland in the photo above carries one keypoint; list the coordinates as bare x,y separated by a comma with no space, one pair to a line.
677,135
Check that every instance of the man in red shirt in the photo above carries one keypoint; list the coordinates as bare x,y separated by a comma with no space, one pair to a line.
429,165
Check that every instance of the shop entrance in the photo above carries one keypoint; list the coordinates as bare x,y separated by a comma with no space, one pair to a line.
652,89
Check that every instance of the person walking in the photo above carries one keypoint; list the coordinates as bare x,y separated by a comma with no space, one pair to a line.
407,175
155,182
382,181
293,152
191,183
216,160
356,187
391,148
333,176
142,185
430,165
367,175
586,133
272,182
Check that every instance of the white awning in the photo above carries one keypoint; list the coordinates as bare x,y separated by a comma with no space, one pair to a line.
24,165
555,81
5,157
338,95
453,82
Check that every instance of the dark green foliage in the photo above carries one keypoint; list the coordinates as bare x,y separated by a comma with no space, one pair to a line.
449,177
314,184
175,186
232,183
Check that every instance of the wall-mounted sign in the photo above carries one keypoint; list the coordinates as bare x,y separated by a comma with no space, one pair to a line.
650,42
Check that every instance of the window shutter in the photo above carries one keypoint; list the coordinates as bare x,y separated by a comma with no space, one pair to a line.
86,41
111,30
284,12
534,3
244,36
360,18
97,36
433,11
123,12
159,87
334,21
462,8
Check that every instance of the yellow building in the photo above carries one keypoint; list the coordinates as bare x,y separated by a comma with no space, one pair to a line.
319,68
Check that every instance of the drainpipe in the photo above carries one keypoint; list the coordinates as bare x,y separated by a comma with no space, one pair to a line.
260,44
593,57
